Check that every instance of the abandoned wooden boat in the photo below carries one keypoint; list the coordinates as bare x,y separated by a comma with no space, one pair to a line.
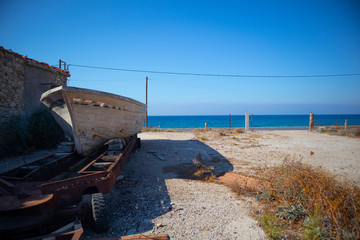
92,117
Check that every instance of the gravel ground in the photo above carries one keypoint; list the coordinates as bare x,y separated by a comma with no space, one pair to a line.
152,201
156,196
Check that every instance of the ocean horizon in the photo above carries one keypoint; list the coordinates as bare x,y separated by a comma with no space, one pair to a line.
238,121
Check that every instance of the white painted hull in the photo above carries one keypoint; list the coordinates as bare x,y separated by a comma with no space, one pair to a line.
93,117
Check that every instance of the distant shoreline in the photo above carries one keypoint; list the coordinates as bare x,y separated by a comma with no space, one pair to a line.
251,129
259,122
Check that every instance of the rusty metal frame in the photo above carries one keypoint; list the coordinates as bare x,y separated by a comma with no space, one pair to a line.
71,190
77,234
45,171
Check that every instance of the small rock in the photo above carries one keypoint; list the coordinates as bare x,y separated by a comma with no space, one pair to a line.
159,225
120,177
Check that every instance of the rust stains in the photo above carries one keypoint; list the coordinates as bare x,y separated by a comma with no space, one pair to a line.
96,136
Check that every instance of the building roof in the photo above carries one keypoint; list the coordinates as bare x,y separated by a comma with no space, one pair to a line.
35,63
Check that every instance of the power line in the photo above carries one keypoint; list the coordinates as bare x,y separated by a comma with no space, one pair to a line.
218,75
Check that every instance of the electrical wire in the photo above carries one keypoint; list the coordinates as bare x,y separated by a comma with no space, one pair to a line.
217,75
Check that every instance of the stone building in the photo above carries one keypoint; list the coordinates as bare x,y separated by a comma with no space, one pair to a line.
22,81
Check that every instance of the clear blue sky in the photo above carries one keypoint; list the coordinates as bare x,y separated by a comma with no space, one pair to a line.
219,37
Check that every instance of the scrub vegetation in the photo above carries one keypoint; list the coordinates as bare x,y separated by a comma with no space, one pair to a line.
307,202
340,131
40,131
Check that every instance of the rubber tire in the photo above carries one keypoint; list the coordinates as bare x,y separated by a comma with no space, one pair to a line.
100,221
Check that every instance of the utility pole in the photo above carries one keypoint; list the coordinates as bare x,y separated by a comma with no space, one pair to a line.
146,101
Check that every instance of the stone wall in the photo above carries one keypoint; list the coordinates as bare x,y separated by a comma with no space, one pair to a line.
22,81
12,72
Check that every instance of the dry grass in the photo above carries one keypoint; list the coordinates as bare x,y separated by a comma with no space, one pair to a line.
254,135
202,138
197,170
151,129
310,200
340,131
239,130
304,192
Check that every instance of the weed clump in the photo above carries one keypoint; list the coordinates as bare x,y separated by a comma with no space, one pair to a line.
340,131
201,171
313,227
309,200
239,130
273,227
313,198
197,170
202,138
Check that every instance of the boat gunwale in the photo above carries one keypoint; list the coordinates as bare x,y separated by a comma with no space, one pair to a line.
120,97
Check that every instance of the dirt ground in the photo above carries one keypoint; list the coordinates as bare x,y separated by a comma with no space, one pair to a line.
336,154
156,196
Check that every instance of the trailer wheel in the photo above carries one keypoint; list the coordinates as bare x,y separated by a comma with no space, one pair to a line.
98,206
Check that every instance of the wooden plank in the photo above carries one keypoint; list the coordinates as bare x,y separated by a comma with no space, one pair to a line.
157,237
137,237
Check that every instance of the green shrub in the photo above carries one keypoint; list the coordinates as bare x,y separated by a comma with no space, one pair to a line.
272,226
313,226
41,131
291,212
15,136
44,130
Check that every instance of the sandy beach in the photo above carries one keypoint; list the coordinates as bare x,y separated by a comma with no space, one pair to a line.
155,197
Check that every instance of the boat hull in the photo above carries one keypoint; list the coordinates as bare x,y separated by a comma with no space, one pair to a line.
92,117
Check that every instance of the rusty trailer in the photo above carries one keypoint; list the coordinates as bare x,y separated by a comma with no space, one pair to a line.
38,200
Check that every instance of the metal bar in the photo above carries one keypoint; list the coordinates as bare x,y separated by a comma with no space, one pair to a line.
146,101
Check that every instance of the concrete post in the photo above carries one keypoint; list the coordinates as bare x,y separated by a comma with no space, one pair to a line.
311,122
205,125
246,121
230,120
346,124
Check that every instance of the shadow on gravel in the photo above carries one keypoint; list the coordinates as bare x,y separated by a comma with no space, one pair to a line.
143,195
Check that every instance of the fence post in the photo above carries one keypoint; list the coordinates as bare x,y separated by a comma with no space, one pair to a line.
346,124
246,121
311,122
230,120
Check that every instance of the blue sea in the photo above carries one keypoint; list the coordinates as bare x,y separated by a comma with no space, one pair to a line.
238,121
